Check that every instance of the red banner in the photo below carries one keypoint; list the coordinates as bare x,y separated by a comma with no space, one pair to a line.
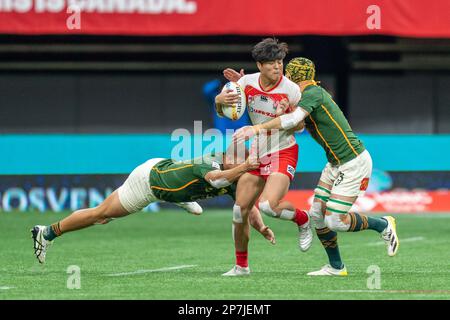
413,18
397,201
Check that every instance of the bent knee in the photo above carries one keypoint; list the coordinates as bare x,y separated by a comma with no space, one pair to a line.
336,222
267,208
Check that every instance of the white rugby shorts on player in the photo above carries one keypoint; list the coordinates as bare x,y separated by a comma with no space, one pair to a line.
136,193
351,178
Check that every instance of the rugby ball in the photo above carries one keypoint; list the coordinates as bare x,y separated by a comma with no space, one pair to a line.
236,110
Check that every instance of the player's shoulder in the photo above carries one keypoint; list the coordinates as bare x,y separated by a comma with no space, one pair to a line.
251,78
289,84
313,91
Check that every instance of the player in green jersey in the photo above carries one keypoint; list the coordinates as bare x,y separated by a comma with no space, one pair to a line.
159,180
347,173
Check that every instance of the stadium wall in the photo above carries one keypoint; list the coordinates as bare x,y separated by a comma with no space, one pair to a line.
67,172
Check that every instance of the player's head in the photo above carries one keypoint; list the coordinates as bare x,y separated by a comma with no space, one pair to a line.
269,55
300,69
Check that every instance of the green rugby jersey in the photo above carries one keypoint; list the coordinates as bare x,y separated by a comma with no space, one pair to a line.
328,126
184,181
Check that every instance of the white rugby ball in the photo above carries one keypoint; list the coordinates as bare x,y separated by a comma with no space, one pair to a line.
236,110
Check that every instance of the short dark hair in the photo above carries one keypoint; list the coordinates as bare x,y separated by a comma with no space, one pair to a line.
270,49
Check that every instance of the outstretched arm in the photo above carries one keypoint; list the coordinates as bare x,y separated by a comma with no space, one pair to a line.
287,121
222,179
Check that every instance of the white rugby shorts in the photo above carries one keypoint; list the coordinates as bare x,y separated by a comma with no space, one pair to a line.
136,193
350,179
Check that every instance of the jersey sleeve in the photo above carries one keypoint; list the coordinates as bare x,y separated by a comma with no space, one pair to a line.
311,99
200,170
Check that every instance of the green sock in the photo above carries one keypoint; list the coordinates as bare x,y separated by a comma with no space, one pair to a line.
329,242
51,232
360,222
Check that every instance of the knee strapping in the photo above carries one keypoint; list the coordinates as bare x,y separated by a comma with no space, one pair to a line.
316,214
237,216
334,222
265,208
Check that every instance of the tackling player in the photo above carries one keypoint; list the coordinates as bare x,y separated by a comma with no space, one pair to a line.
347,173
154,181
278,151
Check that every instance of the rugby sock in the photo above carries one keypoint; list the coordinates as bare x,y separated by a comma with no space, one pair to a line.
360,222
242,259
300,217
51,232
329,242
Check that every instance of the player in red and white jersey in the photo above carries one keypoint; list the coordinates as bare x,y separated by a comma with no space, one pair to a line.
268,95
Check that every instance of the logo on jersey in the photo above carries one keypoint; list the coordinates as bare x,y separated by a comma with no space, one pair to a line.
364,184
261,104
291,170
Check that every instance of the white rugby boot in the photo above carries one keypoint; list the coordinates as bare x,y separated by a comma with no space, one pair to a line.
40,244
237,271
390,237
191,207
328,270
305,235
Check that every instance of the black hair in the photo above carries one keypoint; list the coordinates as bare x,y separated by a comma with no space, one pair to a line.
270,49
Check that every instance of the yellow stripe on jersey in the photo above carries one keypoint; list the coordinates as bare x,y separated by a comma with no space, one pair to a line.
323,139
177,189
340,129
174,169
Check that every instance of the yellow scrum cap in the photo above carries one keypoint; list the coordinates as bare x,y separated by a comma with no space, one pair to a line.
300,69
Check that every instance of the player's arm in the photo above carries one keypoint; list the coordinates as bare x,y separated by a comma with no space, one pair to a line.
257,223
286,121
221,179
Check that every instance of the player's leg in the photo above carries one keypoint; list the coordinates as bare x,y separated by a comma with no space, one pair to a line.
353,183
249,188
327,237
134,195
277,185
109,209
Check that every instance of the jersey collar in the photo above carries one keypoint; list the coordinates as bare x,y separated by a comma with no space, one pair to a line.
276,85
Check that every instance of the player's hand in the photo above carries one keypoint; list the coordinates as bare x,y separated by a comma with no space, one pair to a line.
245,133
282,107
252,162
227,97
233,75
268,234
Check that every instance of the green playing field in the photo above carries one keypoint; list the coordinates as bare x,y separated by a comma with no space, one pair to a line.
174,255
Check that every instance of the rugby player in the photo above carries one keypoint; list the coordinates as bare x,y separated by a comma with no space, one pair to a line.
345,176
277,151
159,180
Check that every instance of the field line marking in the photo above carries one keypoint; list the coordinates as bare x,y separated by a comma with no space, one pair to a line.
150,270
413,239
390,291
6,288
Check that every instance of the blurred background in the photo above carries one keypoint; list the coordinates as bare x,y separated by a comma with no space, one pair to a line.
89,92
